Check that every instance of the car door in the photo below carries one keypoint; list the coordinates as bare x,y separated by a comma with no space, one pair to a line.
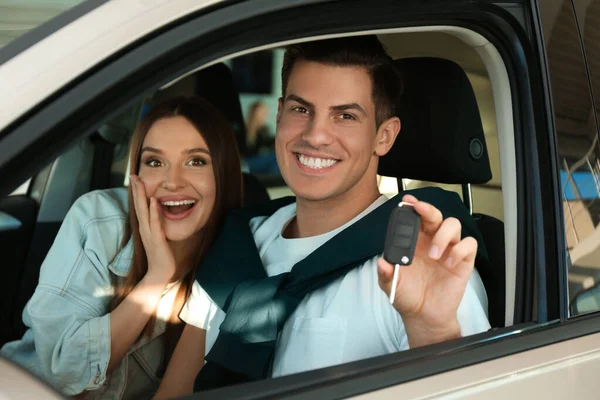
566,32
102,59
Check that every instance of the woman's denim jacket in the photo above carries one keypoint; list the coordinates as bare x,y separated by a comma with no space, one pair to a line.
68,340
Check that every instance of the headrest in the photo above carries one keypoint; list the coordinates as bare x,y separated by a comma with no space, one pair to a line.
215,84
441,137
119,129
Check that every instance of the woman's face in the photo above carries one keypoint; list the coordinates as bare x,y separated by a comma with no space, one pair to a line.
176,168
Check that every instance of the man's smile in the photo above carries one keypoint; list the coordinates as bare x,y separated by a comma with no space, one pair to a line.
315,162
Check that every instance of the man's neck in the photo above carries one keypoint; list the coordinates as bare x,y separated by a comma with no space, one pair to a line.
319,217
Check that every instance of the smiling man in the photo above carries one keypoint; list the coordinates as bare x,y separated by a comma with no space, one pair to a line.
299,284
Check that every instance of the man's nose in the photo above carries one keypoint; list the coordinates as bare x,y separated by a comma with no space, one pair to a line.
318,133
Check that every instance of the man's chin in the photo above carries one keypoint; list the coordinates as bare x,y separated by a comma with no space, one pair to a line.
313,194
311,189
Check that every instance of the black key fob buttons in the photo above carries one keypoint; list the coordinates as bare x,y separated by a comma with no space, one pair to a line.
402,234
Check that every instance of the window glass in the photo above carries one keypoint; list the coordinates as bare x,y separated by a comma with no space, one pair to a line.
578,149
119,131
17,17
257,79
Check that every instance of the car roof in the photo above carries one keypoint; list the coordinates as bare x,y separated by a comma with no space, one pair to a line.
46,59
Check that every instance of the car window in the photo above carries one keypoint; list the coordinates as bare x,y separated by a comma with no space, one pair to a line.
257,80
260,93
118,131
20,16
577,138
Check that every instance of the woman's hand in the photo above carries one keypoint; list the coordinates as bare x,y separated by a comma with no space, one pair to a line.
161,262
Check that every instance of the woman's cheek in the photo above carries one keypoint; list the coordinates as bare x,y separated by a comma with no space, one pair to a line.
150,179
203,180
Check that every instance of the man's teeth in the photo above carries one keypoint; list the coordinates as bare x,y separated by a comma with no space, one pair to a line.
316,163
178,203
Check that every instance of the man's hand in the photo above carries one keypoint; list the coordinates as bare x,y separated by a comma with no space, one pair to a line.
430,290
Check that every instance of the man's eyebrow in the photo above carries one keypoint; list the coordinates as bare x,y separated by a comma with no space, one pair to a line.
341,107
188,151
350,106
300,100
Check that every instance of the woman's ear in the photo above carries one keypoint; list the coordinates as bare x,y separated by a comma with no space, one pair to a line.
386,136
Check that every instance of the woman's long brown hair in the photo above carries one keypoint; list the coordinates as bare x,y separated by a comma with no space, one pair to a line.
219,137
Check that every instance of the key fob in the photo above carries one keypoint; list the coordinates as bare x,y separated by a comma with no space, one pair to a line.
402,234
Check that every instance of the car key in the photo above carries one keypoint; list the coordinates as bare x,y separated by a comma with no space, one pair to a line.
401,239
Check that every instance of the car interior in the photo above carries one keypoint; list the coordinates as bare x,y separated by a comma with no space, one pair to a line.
457,134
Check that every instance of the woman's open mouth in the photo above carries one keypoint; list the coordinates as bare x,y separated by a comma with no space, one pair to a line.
177,210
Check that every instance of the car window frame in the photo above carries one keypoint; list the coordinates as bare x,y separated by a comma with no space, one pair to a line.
46,29
75,112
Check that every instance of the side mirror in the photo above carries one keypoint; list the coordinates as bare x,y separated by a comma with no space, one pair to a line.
586,301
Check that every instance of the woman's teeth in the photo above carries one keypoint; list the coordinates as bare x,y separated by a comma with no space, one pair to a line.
315,162
178,203
177,207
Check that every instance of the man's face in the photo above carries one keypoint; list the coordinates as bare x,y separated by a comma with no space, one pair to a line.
327,138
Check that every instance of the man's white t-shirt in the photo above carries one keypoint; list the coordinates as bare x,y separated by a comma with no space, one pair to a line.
350,319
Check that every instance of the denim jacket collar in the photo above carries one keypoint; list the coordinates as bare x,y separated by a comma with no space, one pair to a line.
122,261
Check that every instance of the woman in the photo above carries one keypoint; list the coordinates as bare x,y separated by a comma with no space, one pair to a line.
260,154
257,134
103,321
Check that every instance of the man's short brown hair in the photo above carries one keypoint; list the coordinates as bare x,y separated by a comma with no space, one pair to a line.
357,51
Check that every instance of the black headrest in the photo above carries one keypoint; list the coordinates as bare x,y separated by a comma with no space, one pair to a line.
441,138
215,84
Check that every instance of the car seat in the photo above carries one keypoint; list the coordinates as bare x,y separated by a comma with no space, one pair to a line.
442,140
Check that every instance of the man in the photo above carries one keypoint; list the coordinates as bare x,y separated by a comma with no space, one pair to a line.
335,119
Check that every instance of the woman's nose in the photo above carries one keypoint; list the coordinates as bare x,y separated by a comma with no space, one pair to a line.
173,179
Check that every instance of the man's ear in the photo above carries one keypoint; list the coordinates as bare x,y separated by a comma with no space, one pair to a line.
386,136
279,109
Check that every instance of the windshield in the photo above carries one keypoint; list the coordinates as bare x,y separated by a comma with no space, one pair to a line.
17,17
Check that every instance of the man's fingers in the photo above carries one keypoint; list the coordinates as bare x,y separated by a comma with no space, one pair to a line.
462,255
385,273
447,234
431,217
409,198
